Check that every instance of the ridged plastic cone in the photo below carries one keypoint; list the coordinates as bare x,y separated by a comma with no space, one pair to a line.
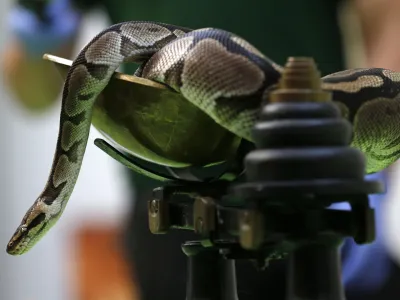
300,81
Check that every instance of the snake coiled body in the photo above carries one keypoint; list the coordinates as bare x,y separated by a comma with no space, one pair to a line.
220,73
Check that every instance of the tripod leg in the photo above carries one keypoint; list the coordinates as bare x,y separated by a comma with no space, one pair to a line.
210,277
315,273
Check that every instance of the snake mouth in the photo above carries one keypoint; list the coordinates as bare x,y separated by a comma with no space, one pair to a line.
16,247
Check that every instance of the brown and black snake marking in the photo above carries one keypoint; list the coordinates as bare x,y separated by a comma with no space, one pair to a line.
219,72
87,77
372,99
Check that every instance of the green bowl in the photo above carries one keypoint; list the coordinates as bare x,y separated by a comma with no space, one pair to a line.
146,119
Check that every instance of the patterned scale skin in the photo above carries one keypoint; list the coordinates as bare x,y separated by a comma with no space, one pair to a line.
89,74
370,99
215,70
220,73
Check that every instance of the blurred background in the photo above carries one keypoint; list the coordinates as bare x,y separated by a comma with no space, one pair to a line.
83,257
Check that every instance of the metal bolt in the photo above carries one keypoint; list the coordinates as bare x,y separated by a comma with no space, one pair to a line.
204,215
251,229
154,208
158,214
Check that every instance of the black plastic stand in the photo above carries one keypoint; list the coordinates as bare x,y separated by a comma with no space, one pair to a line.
209,276
314,273
302,164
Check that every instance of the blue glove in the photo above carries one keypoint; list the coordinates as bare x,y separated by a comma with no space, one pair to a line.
366,267
38,37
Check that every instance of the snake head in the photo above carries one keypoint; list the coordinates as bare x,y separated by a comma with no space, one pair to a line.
17,243
29,232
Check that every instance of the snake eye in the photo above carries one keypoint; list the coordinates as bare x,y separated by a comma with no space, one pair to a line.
23,228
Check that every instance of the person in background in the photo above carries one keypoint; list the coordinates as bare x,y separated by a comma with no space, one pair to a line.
278,29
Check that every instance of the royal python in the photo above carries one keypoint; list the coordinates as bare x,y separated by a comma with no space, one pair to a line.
217,71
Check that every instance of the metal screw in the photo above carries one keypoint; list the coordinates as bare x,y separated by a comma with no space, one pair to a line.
251,229
154,207
204,215
158,214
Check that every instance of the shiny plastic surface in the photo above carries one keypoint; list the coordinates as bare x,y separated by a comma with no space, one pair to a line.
146,119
